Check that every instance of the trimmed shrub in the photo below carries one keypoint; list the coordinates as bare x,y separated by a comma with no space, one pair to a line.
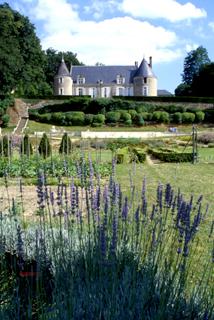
124,116
160,117
112,116
188,117
44,146
58,118
138,154
65,145
99,119
89,118
26,146
133,113
168,155
138,120
146,116
177,117
128,122
199,116
6,146
77,118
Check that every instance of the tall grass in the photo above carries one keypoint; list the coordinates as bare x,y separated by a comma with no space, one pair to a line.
103,254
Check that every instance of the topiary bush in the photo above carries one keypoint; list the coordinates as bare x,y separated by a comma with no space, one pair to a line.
99,119
44,146
176,117
65,145
26,146
188,117
89,119
112,117
6,146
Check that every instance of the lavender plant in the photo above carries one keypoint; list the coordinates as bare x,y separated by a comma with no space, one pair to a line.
103,254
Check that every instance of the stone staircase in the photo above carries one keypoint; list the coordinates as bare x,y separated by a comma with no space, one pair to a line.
22,109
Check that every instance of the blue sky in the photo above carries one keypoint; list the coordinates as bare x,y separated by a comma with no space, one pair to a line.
120,32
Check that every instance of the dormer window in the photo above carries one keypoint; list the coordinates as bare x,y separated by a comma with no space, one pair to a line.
80,79
120,79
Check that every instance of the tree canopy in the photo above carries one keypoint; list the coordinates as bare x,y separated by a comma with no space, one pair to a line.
193,62
202,84
24,67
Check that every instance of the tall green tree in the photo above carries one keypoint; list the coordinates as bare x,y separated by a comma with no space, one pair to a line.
52,62
202,84
21,57
193,62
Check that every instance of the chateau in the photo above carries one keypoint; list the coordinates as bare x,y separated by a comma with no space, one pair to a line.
106,81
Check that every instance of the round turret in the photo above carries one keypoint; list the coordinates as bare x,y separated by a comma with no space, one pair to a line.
63,83
144,80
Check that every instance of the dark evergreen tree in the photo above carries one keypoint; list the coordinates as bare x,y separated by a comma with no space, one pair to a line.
193,62
202,84
26,146
44,146
65,145
6,146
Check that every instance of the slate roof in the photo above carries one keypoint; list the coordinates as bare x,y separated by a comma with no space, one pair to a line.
106,74
144,70
63,70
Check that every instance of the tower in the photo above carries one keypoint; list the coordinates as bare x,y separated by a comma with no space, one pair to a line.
63,83
144,80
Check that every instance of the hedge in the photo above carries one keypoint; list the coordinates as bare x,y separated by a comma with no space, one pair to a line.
140,154
167,155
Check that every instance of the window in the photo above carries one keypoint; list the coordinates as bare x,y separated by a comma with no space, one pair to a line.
61,91
94,92
120,79
80,91
80,79
145,80
105,92
61,80
120,91
145,91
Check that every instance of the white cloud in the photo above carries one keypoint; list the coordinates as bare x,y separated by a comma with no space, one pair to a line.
98,8
120,40
211,25
168,9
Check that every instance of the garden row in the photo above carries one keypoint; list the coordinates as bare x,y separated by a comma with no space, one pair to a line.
97,112
120,117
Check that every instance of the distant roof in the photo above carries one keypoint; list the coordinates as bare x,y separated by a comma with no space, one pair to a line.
162,92
63,70
107,74
144,70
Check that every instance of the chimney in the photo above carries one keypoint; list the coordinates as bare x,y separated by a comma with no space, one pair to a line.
150,62
136,64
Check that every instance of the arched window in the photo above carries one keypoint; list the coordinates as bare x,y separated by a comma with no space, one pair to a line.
80,91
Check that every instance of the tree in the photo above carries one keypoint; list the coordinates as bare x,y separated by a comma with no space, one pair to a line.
44,146
26,146
202,84
193,62
21,57
65,145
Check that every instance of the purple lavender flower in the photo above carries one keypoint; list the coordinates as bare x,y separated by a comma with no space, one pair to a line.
160,196
168,195
114,235
125,209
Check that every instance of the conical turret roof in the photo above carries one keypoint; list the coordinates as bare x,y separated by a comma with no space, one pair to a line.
63,70
144,70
